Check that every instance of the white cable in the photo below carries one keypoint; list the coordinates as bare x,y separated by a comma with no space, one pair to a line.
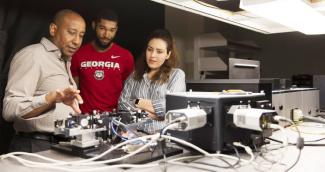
171,126
29,154
79,162
285,138
83,162
154,139
281,118
179,119
117,146
69,169
248,150
205,153
119,123
48,165
186,157
53,163
186,144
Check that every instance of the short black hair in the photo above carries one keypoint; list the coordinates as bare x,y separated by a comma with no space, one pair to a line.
58,17
106,14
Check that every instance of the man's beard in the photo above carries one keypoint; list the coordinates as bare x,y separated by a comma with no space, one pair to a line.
103,46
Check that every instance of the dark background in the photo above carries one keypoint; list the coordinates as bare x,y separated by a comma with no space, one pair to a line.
25,22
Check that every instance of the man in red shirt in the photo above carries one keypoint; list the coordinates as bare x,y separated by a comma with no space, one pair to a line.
100,67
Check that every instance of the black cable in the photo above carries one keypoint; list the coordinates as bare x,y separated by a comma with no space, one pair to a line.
317,140
153,151
275,140
237,154
261,154
295,144
218,166
255,148
163,146
320,115
229,164
163,142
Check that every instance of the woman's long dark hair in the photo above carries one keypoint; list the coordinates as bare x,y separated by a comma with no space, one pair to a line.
163,73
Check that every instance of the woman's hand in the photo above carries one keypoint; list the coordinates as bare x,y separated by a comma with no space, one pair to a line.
154,116
145,104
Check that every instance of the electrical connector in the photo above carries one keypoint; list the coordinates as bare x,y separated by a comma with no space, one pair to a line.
251,118
300,142
297,115
187,119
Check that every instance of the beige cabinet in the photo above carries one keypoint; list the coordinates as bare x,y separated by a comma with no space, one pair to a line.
307,100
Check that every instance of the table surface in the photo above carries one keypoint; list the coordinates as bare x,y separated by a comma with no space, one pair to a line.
272,157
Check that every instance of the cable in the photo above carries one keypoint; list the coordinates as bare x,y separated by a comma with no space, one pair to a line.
281,118
187,144
207,154
186,157
296,143
119,123
54,164
247,149
316,125
317,140
179,119
28,154
86,162
295,163
229,164
313,119
170,126
115,132
237,154
285,138
300,140
69,169
218,166
271,157
79,162
163,142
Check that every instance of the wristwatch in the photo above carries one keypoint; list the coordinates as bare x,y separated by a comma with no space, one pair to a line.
136,101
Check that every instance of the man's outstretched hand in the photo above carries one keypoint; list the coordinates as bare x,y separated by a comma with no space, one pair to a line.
68,96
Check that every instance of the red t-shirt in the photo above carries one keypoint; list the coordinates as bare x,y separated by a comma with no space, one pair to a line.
101,76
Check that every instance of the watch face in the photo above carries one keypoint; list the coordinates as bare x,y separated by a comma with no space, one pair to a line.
136,101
